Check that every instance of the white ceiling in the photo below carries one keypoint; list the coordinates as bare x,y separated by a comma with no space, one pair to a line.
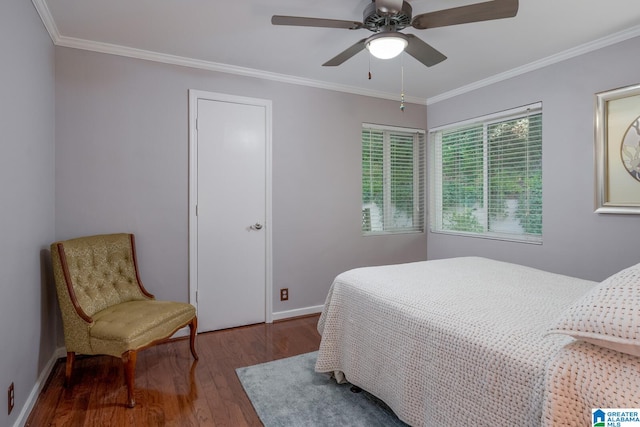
237,36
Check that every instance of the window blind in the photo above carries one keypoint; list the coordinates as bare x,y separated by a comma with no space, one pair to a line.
392,180
487,176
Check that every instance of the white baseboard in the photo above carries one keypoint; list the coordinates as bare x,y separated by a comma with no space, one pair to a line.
38,386
280,315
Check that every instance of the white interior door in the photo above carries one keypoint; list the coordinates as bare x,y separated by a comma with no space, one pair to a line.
232,248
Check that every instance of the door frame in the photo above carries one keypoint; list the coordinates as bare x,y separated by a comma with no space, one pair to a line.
194,96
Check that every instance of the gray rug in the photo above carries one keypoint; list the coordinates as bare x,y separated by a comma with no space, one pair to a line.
288,392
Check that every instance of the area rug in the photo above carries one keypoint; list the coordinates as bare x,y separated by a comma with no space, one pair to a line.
288,392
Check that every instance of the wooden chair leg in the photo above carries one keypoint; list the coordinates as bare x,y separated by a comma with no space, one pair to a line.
193,327
129,359
71,357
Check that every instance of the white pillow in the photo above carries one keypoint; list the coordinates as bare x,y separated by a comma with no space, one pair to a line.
608,315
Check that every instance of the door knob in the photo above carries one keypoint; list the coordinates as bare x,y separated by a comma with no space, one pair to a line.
256,226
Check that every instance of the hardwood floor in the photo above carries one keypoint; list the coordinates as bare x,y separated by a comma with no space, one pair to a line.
172,389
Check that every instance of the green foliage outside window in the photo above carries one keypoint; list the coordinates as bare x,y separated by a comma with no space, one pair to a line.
372,167
392,180
462,178
506,158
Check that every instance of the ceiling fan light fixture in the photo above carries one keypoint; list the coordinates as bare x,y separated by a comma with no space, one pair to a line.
387,46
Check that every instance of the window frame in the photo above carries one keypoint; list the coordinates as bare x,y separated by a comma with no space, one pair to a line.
435,169
419,179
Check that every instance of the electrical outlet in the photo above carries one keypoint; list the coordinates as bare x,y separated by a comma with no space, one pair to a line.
284,294
11,398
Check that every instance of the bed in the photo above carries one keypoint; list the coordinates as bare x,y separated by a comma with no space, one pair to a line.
474,341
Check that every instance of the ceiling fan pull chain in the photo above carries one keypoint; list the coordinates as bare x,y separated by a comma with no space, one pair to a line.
369,65
402,84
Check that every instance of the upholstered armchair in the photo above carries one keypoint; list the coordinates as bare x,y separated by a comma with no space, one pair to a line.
106,309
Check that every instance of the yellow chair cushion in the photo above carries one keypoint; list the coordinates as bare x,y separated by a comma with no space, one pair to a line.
135,324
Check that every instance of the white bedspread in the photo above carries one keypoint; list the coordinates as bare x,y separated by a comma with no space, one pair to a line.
583,377
454,342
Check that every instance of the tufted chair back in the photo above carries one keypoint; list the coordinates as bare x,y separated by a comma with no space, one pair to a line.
102,271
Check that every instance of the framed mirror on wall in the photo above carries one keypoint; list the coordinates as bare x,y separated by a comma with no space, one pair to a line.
617,151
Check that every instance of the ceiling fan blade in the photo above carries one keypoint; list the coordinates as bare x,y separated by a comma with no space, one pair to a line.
315,22
486,11
388,7
345,54
423,52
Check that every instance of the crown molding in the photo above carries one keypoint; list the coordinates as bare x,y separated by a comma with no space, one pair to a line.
47,19
222,68
59,40
544,62
76,43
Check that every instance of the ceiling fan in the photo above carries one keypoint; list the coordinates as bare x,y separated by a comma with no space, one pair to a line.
386,18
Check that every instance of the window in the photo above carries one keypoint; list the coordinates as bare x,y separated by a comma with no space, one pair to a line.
392,179
487,176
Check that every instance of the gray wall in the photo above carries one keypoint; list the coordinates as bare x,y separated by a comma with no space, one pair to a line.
121,154
27,304
122,165
577,241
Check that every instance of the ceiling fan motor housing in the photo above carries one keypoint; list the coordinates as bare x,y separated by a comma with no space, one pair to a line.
374,21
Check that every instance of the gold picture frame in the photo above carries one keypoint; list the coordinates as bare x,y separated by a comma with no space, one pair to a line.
617,151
